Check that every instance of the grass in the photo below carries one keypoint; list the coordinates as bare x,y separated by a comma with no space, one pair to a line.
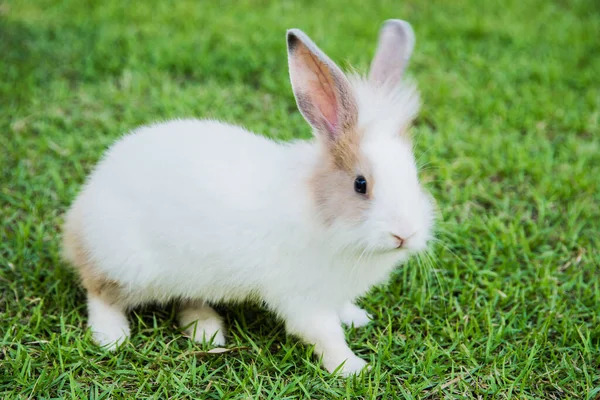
509,133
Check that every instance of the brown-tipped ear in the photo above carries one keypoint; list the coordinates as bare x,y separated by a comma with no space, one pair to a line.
323,93
396,43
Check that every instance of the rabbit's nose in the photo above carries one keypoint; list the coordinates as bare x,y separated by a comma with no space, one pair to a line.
399,241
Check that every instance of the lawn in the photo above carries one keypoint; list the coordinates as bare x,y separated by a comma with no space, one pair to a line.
508,305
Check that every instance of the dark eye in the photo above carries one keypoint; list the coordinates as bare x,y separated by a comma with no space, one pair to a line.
360,184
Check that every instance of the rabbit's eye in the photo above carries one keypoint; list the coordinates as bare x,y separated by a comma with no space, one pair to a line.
360,184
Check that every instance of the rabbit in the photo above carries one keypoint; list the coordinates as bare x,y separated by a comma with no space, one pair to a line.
202,212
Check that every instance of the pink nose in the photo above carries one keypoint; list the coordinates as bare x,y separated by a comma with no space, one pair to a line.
399,240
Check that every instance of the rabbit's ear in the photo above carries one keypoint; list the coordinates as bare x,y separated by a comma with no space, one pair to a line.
396,43
323,93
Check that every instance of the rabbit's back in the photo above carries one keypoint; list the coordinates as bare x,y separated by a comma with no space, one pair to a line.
187,157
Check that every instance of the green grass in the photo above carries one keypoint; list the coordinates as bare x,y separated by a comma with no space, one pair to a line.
509,133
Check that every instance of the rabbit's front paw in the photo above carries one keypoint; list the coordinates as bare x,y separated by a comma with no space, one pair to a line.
351,366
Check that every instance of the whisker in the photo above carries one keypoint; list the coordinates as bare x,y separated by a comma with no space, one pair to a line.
358,260
433,266
449,250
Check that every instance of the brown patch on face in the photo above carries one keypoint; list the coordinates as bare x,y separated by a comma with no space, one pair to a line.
345,151
77,255
332,183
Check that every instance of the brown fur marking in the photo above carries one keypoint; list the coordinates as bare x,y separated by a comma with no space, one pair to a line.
332,183
75,253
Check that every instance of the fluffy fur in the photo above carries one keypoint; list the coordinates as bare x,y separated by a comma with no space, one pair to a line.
204,212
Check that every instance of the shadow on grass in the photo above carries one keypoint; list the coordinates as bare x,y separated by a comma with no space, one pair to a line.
243,319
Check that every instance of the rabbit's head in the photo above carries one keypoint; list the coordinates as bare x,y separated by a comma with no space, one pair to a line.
365,184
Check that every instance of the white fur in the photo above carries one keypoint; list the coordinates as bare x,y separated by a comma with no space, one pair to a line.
401,207
202,210
108,323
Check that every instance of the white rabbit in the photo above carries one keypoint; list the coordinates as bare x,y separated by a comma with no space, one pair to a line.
203,212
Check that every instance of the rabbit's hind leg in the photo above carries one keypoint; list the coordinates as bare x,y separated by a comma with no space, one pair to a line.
201,322
105,300
108,321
